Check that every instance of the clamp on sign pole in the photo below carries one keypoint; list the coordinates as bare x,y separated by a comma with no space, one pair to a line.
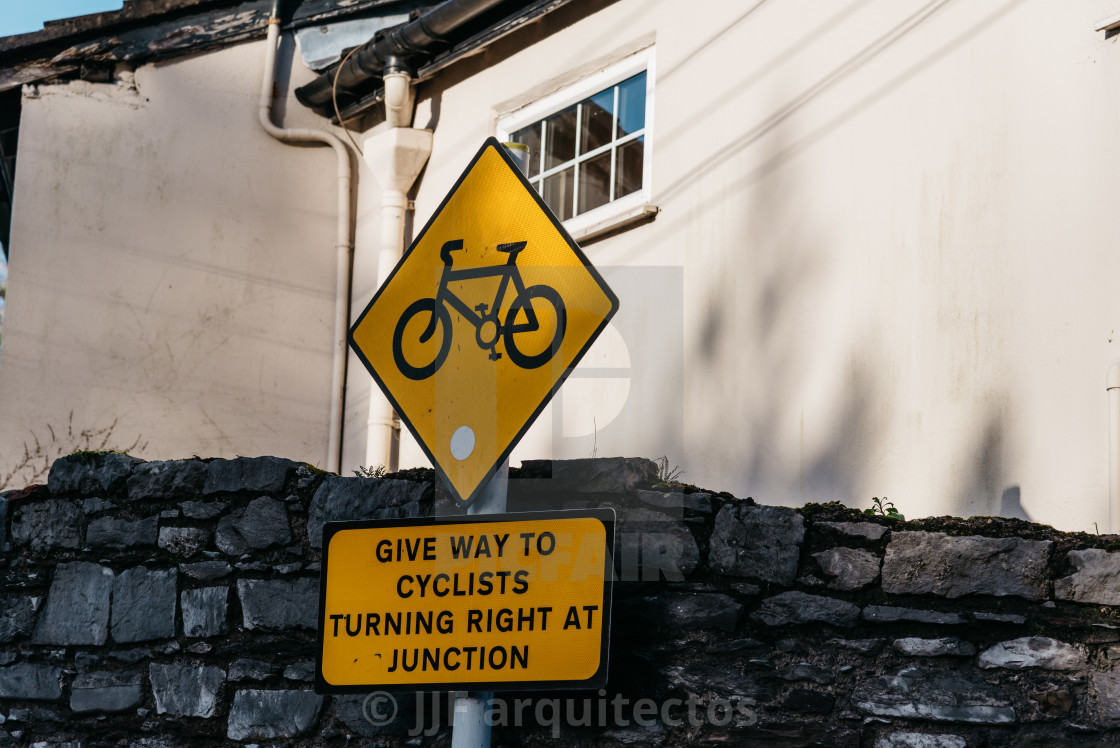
471,730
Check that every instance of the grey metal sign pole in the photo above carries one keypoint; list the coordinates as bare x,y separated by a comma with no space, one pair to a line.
470,727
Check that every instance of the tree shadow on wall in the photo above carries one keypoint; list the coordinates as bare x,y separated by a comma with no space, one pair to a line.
756,333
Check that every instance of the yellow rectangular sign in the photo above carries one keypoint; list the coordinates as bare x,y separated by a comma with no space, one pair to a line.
491,602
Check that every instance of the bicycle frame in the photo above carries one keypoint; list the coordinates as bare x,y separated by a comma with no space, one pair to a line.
489,328
507,272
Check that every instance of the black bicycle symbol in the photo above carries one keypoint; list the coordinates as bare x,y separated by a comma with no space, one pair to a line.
484,317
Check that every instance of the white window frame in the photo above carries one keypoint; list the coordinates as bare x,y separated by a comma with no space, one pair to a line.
624,210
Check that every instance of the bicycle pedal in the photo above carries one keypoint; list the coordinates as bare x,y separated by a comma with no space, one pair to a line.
495,356
481,308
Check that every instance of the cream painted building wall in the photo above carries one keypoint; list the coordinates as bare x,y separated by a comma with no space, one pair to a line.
890,223
882,263
172,270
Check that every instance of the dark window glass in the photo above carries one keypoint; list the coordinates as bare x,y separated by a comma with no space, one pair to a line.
9,141
560,138
531,136
632,105
598,120
557,192
597,123
628,170
594,182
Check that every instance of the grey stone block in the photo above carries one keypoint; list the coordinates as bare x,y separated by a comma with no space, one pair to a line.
340,498
131,656
1096,578
891,614
202,509
17,617
999,617
93,506
47,524
850,568
105,692
206,571
227,539
1033,651
265,715
108,532
37,714
594,475
740,647
938,695
352,712
204,611
302,671
757,541
867,530
915,647
167,479
144,604
185,690
279,603
704,610
922,563
250,474
89,473
31,682
264,522
800,607
183,541
247,669
868,647
920,740
1106,689
77,609
723,680
799,671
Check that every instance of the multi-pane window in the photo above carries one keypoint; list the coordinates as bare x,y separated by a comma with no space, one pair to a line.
592,152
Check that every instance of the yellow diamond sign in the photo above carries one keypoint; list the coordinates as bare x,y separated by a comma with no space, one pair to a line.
482,320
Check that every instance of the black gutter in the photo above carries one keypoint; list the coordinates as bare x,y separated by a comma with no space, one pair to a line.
426,34
466,48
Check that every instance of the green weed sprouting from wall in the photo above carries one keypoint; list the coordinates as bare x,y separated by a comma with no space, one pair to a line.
883,507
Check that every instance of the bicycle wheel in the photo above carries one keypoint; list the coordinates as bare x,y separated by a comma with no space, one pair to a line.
436,316
529,334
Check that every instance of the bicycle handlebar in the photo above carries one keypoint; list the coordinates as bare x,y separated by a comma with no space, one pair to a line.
448,247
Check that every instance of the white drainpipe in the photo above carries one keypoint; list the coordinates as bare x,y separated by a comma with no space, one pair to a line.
343,244
1112,385
396,156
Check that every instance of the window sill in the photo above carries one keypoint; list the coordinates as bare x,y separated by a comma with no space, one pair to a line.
603,220
1109,24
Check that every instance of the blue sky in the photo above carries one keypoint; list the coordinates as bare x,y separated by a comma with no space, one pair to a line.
22,16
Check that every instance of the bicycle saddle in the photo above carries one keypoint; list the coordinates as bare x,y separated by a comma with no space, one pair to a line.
513,248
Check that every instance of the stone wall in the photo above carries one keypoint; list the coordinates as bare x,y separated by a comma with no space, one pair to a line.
174,603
